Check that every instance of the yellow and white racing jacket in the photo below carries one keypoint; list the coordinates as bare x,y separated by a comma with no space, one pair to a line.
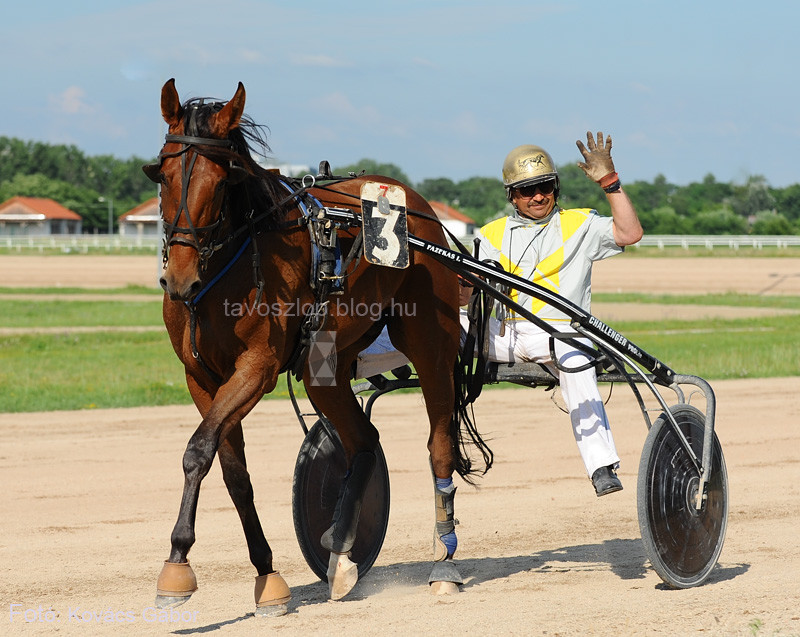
556,253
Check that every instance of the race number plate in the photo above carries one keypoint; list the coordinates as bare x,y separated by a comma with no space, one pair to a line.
383,211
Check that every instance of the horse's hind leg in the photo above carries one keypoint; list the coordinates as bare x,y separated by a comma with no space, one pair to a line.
438,390
444,578
339,538
271,592
433,348
359,438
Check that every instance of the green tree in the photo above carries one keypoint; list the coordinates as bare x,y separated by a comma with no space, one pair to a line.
439,189
372,167
83,184
83,201
87,185
480,198
41,186
722,221
647,196
787,202
14,158
578,191
771,222
707,194
664,220
752,197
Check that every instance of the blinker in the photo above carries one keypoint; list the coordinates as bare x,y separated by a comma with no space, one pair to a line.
153,172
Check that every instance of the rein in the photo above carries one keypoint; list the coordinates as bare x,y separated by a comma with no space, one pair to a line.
326,277
310,209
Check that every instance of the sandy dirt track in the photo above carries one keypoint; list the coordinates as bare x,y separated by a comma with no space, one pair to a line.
89,499
779,275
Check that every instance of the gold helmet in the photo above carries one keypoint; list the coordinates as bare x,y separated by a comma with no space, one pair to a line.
527,165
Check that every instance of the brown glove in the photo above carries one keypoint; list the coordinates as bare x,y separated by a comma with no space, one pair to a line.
599,166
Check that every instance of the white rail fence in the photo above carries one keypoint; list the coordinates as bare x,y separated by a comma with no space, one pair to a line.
117,243
734,242
81,243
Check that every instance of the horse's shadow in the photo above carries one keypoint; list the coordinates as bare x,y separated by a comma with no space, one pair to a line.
624,557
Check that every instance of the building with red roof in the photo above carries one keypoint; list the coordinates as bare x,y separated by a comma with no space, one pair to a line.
36,216
141,221
456,222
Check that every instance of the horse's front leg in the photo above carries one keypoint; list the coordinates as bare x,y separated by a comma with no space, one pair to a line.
232,402
271,592
177,580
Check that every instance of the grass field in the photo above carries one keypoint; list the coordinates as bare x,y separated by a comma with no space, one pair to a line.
107,368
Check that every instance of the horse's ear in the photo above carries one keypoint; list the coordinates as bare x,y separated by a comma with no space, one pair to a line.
230,114
171,108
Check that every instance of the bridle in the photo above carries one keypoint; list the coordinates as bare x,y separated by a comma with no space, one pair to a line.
201,238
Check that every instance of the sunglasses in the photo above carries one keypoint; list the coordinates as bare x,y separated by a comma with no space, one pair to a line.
546,188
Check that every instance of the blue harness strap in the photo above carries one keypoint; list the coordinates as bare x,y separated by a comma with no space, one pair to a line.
192,307
220,274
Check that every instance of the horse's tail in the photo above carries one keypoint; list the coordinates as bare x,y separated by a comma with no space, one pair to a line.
462,424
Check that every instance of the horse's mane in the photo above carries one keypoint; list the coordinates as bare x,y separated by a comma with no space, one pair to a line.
262,191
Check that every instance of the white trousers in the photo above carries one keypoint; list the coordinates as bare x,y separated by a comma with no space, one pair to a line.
524,342
379,357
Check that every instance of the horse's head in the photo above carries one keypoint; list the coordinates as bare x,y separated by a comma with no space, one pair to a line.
197,163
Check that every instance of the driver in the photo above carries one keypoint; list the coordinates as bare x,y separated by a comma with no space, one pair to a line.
555,248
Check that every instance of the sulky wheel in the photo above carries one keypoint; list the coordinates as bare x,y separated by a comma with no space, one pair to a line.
683,544
318,474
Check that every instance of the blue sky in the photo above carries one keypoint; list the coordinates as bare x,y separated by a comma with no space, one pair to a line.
441,88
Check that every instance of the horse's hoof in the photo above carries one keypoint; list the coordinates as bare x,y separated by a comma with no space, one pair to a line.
272,595
165,601
445,578
342,575
444,588
272,611
176,583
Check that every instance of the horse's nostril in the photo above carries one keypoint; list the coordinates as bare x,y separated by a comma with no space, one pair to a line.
163,283
195,288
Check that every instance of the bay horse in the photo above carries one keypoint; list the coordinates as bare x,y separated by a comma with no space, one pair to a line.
218,204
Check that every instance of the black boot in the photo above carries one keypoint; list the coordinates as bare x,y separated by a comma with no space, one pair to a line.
605,481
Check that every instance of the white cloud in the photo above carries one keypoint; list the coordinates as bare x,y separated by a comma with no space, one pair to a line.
137,68
75,116
70,101
339,104
640,139
252,56
638,87
323,61
425,63
466,124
